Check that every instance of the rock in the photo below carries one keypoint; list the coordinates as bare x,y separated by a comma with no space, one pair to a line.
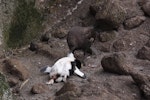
108,95
142,2
45,37
103,46
123,44
39,88
134,22
107,36
12,82
144,53
146,8
116,63
143,82
131,41
16,69
50,98
69,87
70,95
148,43
51,49
53,53
60,33
108,13
132,8
33,46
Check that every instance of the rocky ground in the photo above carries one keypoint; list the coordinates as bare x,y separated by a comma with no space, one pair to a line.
119,68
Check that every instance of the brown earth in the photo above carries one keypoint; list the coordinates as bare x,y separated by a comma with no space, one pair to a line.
99,85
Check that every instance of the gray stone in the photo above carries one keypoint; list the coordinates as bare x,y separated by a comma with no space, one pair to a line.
144,53
143,82
69,87
116,63
39,88
134,22
51,49
131,41
107,36
13,81
108,13
46,36
60,33
146,8
148,43
132,8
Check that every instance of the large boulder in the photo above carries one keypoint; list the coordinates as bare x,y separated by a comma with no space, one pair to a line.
69,91
107,36
51,49
116,63
134,22
108,13
39,88
144,53
68,87
60,33
143,82
146,8
131,41
12,81
16,69
148,43
132,8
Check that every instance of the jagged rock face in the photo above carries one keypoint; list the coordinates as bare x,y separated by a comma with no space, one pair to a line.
116,63
108,13
127,39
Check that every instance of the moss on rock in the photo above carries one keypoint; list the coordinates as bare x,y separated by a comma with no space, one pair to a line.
5,93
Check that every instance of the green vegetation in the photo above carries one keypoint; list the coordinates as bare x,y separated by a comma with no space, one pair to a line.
25,25
4,89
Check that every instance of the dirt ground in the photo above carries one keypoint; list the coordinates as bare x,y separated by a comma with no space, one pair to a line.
99,85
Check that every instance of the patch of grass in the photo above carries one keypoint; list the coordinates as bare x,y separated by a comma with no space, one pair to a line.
4,87
25,25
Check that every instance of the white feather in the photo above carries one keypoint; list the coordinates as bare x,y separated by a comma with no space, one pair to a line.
78,72
48,69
